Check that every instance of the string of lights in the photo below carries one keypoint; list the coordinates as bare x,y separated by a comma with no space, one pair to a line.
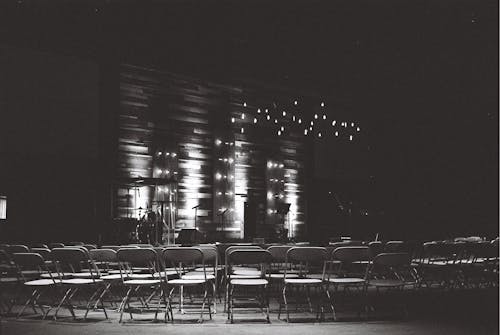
286,120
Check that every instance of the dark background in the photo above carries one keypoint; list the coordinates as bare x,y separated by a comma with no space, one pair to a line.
420,76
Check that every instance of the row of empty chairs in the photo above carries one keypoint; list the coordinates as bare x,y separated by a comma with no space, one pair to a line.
242,274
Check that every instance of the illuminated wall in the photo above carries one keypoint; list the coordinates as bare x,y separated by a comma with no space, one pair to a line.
216,148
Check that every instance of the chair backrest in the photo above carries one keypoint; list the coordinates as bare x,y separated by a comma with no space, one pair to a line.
278,252
392,259
39,245
184,255
103,255
69,255
137,256
44,252
17,248
90,246
253,256
375,247
351,254
73,244
113,247
29,262
306,254
56,245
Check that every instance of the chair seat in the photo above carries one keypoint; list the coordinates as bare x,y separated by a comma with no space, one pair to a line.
346,281
141,282
209,268
42,282
249,282
164,273
86,275
386,282
80,281
247,272
281,275
303,281
244,276
186,281
112,277
9,280
56,275
197,275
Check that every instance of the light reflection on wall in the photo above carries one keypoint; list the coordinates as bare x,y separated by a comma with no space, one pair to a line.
241,187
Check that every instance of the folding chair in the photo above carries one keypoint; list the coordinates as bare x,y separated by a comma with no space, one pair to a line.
184,259
310,262
9,281
256,257
72,260
391,272
145,258
349,273
17,248
33,263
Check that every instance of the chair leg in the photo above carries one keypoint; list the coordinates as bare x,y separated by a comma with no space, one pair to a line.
28,302
232,303
124,301
159,302
203,306
266,297
286,304
68,291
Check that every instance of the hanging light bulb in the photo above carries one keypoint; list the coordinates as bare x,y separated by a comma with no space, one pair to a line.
267,110
350,137
295,102
322,104
282,128
242,130
336,133
312,123
293,118
268,117
324,116
315,116
319,134
284,113
258,110
218,142
254,120
358,129
244,104
334,123
243,116
311,128
279,132
232,120
300,121
305,131
275,120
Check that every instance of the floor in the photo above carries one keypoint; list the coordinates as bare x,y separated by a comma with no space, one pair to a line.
429,312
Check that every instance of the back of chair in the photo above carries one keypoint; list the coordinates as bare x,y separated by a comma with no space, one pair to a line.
44,252
17,248
278,252
90,246
39,245
103,255
137,256
375,247
184,255
56,245
69,255
29,262
306,255
351,254
259,257
113,247
392,259
394,246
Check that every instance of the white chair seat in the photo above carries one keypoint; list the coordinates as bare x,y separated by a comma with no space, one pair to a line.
85,275
9,280
346,281
282,275
303,281
386,282
197,275
41,282
141,282
111,277
247,272
186,281
249,282
164,273
244,276
56,275
80,281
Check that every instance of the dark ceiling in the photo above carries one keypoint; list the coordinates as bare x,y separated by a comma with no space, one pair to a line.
422,74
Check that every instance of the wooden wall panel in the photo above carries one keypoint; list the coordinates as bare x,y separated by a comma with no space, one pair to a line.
222,146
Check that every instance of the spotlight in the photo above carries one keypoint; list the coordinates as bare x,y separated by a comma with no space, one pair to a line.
232,119
243,116
295,102
269,164
358,129
279,132
268,117
334,122
312,123
218,176
218,142
319,134
300,121
322,104
336,133
275,121
242,130
324,116
315,116
350,137
305,131
244,104
284,113
254,120
258,110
